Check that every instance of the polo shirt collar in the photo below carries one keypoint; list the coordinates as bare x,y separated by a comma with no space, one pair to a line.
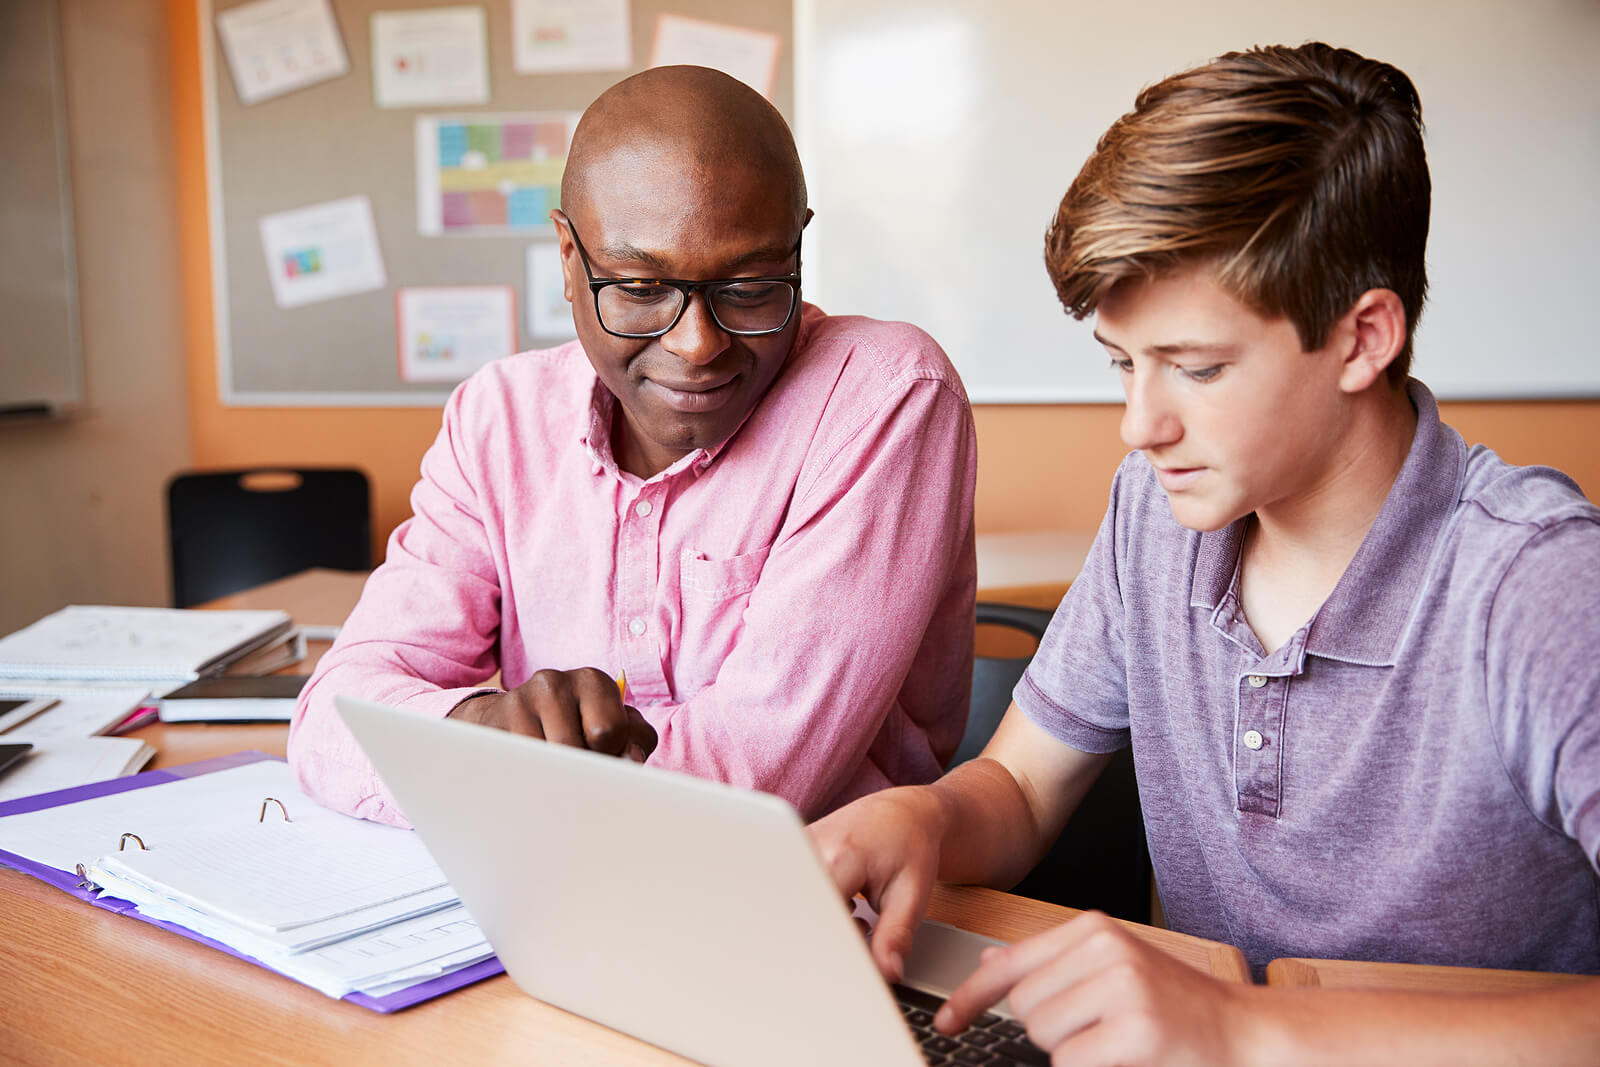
1365,616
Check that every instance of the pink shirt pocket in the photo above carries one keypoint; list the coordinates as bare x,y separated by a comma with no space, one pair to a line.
715,593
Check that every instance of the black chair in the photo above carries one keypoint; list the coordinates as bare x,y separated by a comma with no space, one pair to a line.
230,530
1101,859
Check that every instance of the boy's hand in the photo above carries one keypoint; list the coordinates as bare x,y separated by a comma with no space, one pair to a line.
885,847
1091,993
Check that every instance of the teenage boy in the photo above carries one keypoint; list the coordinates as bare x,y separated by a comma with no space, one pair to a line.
1354,657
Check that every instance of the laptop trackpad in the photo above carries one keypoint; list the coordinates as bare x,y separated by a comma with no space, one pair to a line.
942,957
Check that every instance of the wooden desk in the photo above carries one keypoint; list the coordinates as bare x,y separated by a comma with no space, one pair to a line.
1410,977
83,985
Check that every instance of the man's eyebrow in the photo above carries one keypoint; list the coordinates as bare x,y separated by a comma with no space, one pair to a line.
657,263
1174,348
626,253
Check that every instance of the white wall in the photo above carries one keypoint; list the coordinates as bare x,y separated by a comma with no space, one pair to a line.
939,136
83,496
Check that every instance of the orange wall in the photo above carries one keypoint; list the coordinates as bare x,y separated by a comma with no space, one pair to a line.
1040,466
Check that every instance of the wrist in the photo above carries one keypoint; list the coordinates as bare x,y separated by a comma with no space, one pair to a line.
1267,1029
465,713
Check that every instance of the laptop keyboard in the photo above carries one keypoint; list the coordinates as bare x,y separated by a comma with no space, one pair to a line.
990,1040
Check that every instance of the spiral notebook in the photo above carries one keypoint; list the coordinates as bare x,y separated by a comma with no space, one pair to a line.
217,872
99,642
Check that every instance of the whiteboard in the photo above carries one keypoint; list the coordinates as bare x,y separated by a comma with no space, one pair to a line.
939,136
41,359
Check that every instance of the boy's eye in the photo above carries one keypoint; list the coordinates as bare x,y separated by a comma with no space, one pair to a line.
1122,364
1202,374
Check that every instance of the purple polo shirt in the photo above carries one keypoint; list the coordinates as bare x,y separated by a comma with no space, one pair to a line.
1414,776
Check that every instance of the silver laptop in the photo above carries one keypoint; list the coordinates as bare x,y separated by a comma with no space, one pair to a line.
692,915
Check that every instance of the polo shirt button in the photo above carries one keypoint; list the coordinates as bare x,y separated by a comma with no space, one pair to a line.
642,508
636,626
1257,681
1252,740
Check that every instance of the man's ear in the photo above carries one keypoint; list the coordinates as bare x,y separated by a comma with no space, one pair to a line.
567,250
1375,331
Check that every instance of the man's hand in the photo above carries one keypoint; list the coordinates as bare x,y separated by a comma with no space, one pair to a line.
1091,993
886,847
581,708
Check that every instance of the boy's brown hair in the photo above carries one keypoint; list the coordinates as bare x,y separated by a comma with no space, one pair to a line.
1298,173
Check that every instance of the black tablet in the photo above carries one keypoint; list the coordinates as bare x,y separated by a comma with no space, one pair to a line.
11,753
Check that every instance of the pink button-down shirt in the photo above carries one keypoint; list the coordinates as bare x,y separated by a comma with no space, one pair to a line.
794,608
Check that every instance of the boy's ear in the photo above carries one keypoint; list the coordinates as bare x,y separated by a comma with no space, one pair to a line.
1375,331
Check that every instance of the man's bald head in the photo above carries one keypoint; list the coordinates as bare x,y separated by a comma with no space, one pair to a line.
689,117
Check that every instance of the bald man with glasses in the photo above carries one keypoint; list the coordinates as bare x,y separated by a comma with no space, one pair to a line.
760,515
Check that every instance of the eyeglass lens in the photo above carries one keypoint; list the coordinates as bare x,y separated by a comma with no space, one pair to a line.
751,307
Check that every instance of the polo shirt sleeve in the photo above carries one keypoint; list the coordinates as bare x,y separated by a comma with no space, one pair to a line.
423,635
1076,687
1543,677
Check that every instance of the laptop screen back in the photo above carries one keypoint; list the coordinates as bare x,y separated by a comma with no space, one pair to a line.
692,915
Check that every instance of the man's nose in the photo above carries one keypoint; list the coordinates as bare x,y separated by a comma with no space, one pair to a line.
696,338
1148,419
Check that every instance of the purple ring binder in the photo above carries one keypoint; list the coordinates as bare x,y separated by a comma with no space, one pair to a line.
67,881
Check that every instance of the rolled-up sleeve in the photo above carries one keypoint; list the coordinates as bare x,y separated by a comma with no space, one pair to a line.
422,637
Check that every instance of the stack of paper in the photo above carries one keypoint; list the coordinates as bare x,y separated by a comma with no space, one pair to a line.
93,666
171,644
339,904
67,738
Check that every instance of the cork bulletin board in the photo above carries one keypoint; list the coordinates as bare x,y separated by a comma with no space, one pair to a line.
328,142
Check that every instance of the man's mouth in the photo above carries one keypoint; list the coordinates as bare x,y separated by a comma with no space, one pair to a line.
693,396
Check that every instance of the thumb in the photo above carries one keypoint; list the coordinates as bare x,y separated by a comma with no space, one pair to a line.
640,733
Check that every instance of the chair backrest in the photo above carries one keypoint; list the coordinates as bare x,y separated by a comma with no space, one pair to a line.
1101,859
230,530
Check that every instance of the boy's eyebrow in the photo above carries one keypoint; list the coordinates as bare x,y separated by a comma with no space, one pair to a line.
1173,348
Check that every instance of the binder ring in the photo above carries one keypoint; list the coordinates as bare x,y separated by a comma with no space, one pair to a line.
83,879
273,800
124,841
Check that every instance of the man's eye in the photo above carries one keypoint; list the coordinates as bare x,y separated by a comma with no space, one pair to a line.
749,292
643,294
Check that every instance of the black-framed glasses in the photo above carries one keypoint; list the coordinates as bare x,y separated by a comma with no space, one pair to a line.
650,307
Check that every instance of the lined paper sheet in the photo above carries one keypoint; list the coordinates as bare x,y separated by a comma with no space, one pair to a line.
65,836
274,875
337,903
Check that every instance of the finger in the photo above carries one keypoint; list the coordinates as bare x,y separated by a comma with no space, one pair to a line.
846,866
900,908
552,703
1107,1040
1072,993
642,736
1003,968
604,721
